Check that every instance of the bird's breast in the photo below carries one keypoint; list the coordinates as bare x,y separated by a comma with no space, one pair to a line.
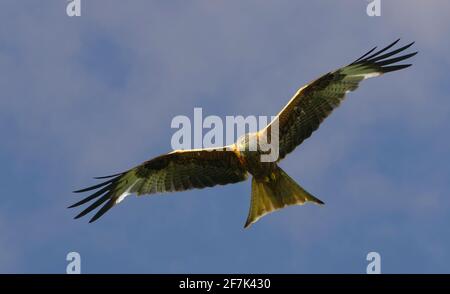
252,162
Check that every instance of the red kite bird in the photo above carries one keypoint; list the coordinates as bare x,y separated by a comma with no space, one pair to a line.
272,188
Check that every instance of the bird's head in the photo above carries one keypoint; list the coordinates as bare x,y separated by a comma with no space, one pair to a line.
247,142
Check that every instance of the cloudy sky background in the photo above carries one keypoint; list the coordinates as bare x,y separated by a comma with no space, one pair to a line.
93,95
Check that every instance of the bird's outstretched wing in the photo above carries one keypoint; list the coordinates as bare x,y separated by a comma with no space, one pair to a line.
315,101
175,171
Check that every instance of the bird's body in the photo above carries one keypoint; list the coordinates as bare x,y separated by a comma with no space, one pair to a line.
251,159
272,188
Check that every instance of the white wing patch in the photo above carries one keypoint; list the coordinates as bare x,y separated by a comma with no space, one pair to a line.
126,193
370,75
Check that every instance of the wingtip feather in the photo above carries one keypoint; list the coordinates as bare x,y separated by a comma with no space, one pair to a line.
103,210
107,177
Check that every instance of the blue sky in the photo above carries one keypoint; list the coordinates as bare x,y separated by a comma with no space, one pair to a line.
93,95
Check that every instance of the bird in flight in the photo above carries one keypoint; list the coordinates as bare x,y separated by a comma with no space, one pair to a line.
272,188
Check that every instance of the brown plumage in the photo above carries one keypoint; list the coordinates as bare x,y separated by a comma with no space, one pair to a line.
272,188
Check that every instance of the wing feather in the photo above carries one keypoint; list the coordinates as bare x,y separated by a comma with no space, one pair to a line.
176,171
315,101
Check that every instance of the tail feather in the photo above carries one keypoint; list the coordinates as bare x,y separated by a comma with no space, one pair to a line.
274,193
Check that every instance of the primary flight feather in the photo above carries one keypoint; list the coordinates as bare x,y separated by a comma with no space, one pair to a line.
272,188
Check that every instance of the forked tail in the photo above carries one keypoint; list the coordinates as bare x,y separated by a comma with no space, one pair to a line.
274,193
